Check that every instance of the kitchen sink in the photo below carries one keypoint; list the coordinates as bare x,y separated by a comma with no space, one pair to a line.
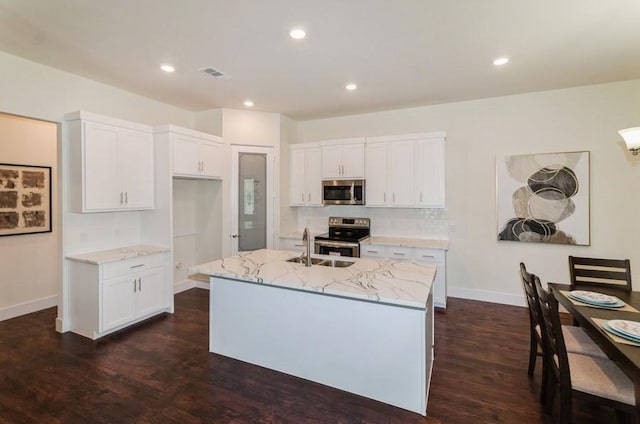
302,260
334,263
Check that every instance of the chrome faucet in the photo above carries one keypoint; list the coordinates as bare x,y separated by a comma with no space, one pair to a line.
307,237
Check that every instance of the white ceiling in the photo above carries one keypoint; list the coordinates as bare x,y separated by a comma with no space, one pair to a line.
400,53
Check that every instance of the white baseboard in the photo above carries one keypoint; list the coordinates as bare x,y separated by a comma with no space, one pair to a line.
28,307
486,296
189,284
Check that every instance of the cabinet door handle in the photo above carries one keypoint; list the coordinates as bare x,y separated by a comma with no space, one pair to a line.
126,197
394,197
384,197
309,197
121,198
420,197
302,196
134,285
140,284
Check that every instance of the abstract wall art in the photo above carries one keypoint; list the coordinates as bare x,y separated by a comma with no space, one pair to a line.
25,199
544,198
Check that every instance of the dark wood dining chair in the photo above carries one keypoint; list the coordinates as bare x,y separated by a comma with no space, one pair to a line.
595,379
577,341
611,273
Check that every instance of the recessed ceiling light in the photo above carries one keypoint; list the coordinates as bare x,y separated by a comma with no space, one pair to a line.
501,61
297,33
351,86
248,103
167,68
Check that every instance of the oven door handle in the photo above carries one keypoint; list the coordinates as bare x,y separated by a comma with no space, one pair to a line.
336,243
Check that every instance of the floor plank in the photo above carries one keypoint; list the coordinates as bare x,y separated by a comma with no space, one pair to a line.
161,372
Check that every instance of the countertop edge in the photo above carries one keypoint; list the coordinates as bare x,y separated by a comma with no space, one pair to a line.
100,257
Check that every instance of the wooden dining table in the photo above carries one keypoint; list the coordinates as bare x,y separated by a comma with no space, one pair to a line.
626,356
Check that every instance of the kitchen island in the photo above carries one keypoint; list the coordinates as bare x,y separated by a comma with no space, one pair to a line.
366,328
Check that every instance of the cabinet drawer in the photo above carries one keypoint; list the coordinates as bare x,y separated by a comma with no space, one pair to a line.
428,255
116,269
373,251
396,252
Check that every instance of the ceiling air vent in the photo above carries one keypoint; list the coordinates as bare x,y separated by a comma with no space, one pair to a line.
216,73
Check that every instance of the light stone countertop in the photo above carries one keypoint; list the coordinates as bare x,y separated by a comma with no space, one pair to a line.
407,242
297,235
373,279
119,254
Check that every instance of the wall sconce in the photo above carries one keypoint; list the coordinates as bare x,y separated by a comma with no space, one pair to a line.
631,137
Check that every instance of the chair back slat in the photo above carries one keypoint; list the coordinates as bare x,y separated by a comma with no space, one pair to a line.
610,272
532,297
555,347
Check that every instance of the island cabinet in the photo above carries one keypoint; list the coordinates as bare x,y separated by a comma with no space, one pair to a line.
366,328
305,175
106,297
343,159
112,164
405,171
195,154
436,257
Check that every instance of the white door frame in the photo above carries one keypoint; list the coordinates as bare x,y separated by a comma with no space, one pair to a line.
235,151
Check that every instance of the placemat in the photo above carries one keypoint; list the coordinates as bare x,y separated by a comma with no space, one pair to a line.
617,339
626,307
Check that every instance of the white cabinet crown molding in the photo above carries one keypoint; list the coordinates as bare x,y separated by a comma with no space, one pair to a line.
94,117
170,128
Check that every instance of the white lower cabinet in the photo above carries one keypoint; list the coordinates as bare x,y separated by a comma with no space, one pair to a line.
110,296
431,256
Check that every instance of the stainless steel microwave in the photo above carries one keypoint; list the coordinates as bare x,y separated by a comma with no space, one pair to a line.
343,192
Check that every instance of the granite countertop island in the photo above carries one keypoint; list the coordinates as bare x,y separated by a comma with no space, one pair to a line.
366,328
374,279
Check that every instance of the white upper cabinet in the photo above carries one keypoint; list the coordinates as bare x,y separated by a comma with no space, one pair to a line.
389,173
405,171
195,154
112,164
305,179
430,172
343,159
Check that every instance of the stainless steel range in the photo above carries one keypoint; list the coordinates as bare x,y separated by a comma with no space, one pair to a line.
344,237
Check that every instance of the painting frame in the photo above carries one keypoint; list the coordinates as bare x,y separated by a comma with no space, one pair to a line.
544,198
25,199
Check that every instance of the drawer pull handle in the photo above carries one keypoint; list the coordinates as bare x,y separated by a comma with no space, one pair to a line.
137,266
139,284
372,251
398,253
428,256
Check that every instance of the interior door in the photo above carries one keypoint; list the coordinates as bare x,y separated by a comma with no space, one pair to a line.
252,198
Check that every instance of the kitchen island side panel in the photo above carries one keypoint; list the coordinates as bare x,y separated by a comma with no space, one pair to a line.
372,349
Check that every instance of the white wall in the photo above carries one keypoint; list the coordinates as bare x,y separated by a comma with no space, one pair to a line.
248,128
29,263
38,91
583,118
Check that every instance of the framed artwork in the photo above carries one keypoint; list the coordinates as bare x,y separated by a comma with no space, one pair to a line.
544,198
25,199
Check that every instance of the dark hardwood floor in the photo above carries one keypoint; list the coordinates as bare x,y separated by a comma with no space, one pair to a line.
161,372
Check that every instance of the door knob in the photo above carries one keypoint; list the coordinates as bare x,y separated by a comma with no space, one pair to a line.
235,236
